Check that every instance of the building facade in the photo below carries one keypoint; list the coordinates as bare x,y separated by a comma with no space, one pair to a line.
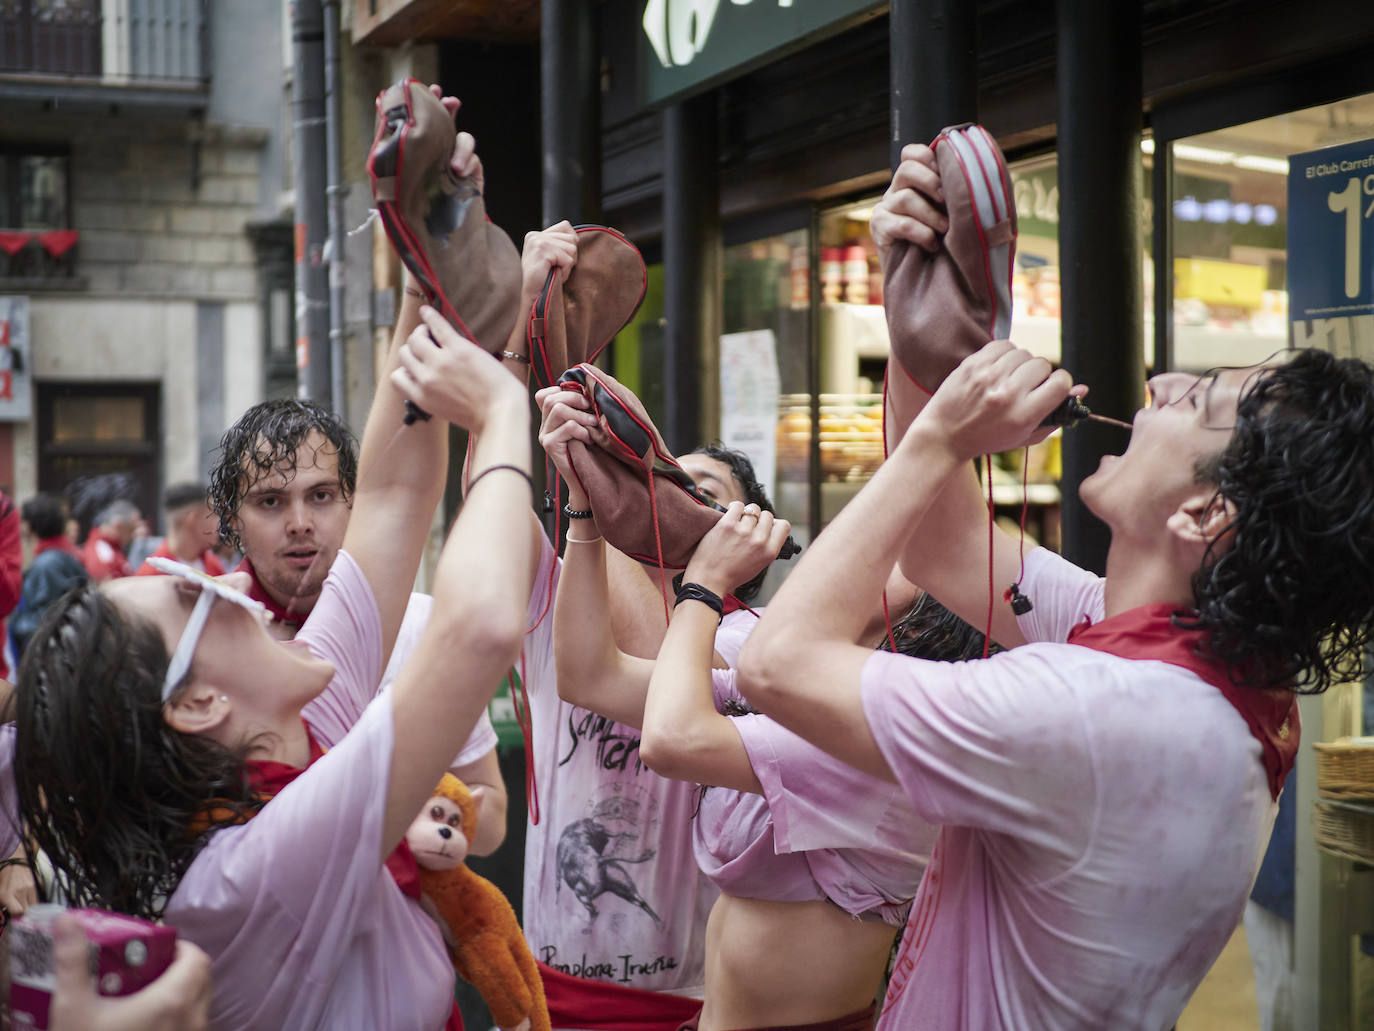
144,149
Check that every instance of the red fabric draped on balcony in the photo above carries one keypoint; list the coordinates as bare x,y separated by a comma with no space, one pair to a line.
13,241
58,242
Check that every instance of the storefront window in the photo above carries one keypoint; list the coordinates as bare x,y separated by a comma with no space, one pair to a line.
764,372
1232,230
854,350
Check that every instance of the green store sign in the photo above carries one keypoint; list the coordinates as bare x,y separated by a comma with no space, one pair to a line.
691,45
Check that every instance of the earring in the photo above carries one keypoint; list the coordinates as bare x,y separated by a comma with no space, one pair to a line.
224,698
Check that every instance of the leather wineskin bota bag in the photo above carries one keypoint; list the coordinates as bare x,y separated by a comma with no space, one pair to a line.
573,322
646,505
943,306
466,265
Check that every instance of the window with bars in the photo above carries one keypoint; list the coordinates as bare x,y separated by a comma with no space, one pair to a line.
52,37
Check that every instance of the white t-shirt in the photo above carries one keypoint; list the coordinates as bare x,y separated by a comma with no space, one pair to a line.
304,925
612,891
483,737
1103,821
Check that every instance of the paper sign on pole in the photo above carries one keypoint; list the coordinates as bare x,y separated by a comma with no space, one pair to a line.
749,385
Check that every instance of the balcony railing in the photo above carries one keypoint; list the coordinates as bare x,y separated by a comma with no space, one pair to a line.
118,41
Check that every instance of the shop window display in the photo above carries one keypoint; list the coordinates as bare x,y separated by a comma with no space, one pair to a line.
765,370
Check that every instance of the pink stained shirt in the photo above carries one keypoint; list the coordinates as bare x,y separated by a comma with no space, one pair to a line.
305,927
820,830
483,737
1104,818
612,891
735,628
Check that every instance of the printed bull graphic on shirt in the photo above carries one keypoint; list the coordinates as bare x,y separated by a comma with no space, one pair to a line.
585,866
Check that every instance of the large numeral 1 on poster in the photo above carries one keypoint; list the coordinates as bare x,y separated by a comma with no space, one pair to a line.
1349,201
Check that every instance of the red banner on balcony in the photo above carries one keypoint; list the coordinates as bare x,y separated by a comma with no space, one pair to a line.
58,242
12,241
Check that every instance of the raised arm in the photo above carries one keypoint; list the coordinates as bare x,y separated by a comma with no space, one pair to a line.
949,557
802,665
593,671
401,469
685,737
482,583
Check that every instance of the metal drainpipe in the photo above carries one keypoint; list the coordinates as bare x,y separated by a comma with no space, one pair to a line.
312,280
337,191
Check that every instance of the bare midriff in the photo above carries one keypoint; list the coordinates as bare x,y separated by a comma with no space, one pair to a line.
780,963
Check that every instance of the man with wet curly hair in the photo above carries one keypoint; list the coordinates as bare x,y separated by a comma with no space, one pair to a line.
282,489
1107,784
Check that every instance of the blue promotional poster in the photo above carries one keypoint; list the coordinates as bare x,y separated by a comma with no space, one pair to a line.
1331,249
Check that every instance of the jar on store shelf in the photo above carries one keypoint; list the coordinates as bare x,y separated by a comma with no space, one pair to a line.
832,274
799,270
855,275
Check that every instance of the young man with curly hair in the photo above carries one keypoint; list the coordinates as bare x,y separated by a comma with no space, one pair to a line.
1108,784
282,490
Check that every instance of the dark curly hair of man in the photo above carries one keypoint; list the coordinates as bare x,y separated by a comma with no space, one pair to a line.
742,469
266,438
1286,594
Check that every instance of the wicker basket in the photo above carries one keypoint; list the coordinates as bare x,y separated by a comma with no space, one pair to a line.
1346,829
1345,768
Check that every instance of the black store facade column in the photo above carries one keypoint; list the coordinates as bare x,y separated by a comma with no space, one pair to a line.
570,102
1099,101
933,61
691,264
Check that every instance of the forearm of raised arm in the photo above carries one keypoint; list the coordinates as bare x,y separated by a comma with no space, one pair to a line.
592,671
684,736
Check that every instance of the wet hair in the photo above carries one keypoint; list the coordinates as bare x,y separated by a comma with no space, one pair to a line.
46,515
1287,595
928,630
742,469
107,790
266,438
183,495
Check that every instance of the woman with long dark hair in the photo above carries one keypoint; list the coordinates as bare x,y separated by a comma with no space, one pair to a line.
169,758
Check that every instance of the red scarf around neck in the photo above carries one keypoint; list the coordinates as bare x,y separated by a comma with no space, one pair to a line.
1149,632
258,592
268,778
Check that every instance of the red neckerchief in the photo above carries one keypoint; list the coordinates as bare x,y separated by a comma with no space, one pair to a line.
57,542
257,592
267,778
1149,633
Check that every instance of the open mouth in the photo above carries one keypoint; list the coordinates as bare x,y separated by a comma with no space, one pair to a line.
301,558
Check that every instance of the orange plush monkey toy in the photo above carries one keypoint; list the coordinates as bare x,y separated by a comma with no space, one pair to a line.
485,942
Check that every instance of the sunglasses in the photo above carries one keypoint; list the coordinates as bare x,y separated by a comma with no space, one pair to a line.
210,590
